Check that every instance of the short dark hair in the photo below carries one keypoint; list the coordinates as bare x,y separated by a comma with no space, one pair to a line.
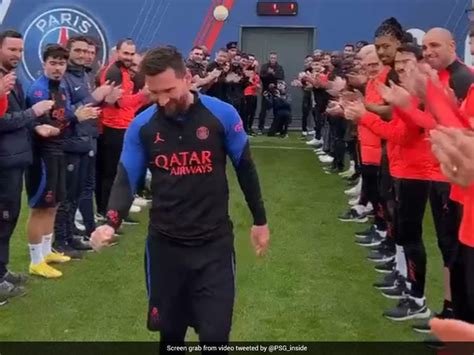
55,51
390,27
9,34
160,59
75,39
349,45
204,49
222,50
197,47
123,41
308,56
91,41
411,48
273,53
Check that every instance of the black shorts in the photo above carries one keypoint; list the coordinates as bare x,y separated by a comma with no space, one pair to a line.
46,180
190,286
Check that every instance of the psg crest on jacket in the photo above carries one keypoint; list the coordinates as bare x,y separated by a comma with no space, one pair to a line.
57,26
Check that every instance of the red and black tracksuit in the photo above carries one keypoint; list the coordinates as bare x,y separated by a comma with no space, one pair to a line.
462,263
115,120
460,79
417,178
371,152
411,125
251,97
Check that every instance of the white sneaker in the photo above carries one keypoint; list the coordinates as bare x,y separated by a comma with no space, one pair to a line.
349,172
361,209
135,209
314,142
140,202
311,133
304,133
355,191
369,207
326,159
354,201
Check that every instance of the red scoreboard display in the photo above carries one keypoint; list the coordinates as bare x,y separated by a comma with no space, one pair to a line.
282,8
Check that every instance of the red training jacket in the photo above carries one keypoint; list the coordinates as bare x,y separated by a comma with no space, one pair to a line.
3,105
370,143
120,115
449,115
252,89
409,151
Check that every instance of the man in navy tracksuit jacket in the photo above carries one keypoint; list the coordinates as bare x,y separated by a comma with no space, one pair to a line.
80,150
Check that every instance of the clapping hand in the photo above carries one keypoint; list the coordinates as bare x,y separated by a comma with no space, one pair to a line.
86,112
7,83
395,95
454,149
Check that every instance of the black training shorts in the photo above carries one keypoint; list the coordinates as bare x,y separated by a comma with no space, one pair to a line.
46,180
190,286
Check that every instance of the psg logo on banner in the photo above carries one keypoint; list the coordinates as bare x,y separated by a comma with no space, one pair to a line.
57,26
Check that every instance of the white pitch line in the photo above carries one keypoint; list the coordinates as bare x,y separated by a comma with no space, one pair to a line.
278,147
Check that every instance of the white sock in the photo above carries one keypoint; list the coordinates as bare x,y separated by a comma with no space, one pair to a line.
47,241
36,253
401,261
382,234
419,301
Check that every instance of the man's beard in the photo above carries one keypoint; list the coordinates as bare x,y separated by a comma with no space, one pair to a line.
127,64
176,107
9,66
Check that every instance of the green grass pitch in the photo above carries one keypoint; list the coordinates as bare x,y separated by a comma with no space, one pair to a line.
315,284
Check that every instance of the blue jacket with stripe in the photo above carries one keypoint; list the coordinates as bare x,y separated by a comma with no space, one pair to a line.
61,116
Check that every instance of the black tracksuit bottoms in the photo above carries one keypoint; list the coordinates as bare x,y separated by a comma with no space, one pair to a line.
190,286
